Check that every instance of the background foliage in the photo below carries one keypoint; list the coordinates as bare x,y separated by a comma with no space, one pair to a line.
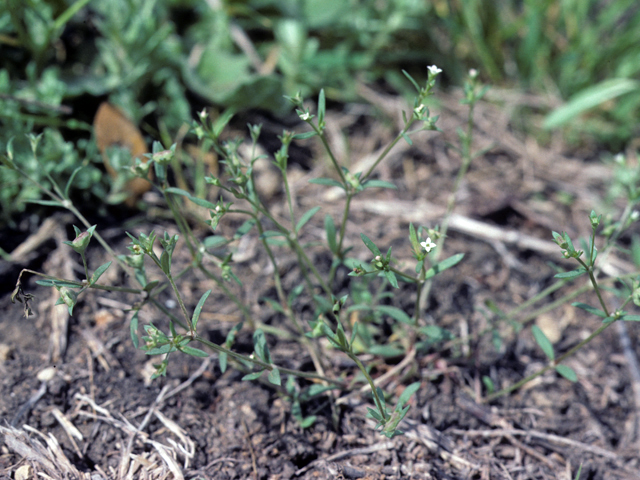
162,60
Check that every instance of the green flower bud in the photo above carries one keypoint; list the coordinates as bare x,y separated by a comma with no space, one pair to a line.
69,297
164,157
82,240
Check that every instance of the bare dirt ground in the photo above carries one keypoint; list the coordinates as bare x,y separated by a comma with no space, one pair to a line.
75,395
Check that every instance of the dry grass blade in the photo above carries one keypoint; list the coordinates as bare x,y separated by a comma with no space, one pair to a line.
47,457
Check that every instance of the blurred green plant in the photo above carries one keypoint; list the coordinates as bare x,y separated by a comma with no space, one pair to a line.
179,332
146,55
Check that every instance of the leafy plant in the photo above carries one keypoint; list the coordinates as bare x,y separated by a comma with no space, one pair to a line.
145,56
330,321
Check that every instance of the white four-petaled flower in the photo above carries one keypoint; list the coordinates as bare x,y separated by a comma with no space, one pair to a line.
428,245
434,70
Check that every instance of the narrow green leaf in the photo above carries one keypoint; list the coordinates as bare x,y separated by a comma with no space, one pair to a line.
322,105
133,329
315,390
382,401
222,360
214,241
168,348
413,82
435,333
370,245
413,238
178,191
407,139
222,121
391,277
571,274
271,234
374,414
260,346
406,395
330,230
58,283
274,376
354,332
395,313
202,202
151,285
165,262
305,135
275,305
543,341
488,384
194,352
630,318
46,203
295,293
443,265
198,201
251,376
244,229
590,309
342,337
379,184
306,217
567,372
70,181
326,330
589,98
330,182
306,422
198,310
98,273
386,351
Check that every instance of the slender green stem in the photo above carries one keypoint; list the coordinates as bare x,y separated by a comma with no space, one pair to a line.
374,390
327,148
166,311
451,201
95,286
343,223
183,308
387,150
267,366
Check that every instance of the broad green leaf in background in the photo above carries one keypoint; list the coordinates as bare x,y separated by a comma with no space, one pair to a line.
589,98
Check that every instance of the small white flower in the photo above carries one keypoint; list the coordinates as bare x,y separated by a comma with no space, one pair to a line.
434,70
305,116
635,215
419,109
473,73
428,245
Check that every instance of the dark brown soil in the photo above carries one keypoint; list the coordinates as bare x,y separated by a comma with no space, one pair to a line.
198,422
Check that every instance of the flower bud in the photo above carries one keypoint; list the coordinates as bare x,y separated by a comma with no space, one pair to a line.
69,297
